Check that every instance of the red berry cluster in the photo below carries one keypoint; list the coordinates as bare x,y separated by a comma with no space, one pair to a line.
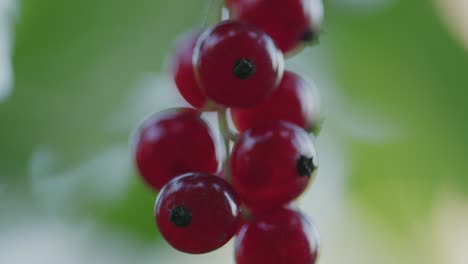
238,65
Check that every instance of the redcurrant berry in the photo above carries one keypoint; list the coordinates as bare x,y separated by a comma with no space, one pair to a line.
292,101
174,142
288,22
183,73
197,213
283,236
272,164
237,65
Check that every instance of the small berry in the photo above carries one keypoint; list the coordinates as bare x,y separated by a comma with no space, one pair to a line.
197,213
237,65
182,70
272,164
289,23
174,142
283,236
293,101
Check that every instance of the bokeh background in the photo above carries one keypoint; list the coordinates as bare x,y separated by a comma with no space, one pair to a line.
77,77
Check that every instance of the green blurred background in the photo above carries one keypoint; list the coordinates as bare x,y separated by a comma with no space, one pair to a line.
393,77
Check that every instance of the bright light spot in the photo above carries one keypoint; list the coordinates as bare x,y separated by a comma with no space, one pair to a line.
360,121
6,71
451,227
455,15
56,189
152,93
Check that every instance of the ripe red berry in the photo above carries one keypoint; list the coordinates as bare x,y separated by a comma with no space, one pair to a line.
293,101
197,213
171,143
288,22
283,236
237,65
182,70
272,164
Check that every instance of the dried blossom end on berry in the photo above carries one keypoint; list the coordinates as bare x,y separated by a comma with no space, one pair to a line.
305,166
180,216
243,68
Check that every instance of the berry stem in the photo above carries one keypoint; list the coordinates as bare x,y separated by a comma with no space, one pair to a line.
213,13
208,106
228,136
227,133
317,128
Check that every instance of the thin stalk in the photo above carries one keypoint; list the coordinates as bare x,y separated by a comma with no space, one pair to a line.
228,136
213,13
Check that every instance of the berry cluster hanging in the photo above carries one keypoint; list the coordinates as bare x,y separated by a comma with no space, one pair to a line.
238,65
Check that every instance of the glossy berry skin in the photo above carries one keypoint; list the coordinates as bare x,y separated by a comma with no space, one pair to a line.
272,164
181,69
197,213
171,143
293,101
237,65
289,23
283,236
